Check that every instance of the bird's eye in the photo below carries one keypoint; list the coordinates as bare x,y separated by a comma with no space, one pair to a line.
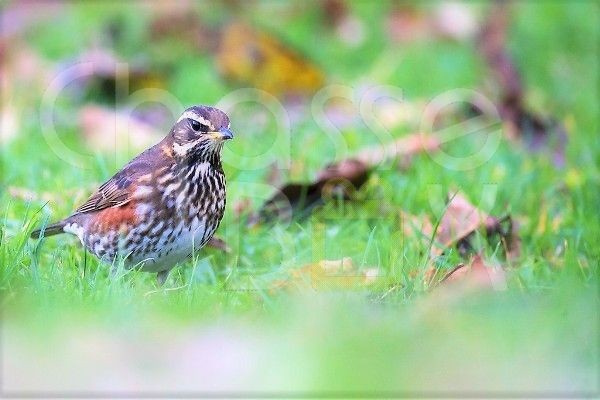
195,125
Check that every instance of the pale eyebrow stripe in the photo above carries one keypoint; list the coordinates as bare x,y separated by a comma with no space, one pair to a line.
197,118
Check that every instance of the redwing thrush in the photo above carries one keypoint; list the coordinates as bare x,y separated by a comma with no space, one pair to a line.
164,204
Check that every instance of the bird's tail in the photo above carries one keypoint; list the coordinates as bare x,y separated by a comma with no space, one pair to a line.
50,230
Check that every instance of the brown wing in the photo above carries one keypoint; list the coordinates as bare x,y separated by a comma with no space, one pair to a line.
117,191
112,193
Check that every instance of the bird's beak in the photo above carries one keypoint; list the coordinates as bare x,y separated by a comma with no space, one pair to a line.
223,134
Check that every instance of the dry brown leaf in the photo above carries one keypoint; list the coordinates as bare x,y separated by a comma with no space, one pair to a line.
341,179
456,228
100,75
537,131
298,199
460,219
257,59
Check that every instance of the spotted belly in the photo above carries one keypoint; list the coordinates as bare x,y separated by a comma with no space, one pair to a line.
151,246
173,245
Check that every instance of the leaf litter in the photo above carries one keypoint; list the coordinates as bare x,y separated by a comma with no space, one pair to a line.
457,229
538,132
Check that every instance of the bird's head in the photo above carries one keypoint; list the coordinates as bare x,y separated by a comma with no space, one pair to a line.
199,133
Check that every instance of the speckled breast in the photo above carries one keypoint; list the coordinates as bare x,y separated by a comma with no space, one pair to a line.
170,220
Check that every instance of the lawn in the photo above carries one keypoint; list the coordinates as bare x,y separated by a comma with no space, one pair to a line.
258,320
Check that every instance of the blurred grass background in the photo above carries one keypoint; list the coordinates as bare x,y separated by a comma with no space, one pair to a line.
219,326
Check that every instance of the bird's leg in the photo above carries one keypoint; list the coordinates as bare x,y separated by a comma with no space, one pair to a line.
162,276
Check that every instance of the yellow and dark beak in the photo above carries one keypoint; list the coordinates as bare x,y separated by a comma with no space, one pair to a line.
221,135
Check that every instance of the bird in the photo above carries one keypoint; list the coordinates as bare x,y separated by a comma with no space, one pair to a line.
163,205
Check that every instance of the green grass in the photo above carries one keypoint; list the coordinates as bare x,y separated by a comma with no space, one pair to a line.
538,337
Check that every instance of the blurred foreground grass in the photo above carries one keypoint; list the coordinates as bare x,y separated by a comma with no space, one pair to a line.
494,344
219,327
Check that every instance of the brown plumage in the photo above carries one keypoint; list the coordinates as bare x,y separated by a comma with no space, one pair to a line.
164,204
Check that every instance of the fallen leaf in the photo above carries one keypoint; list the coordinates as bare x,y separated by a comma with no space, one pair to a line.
98,74
537,131
459,223
339,180
257,59
297,199
456,229
460,219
